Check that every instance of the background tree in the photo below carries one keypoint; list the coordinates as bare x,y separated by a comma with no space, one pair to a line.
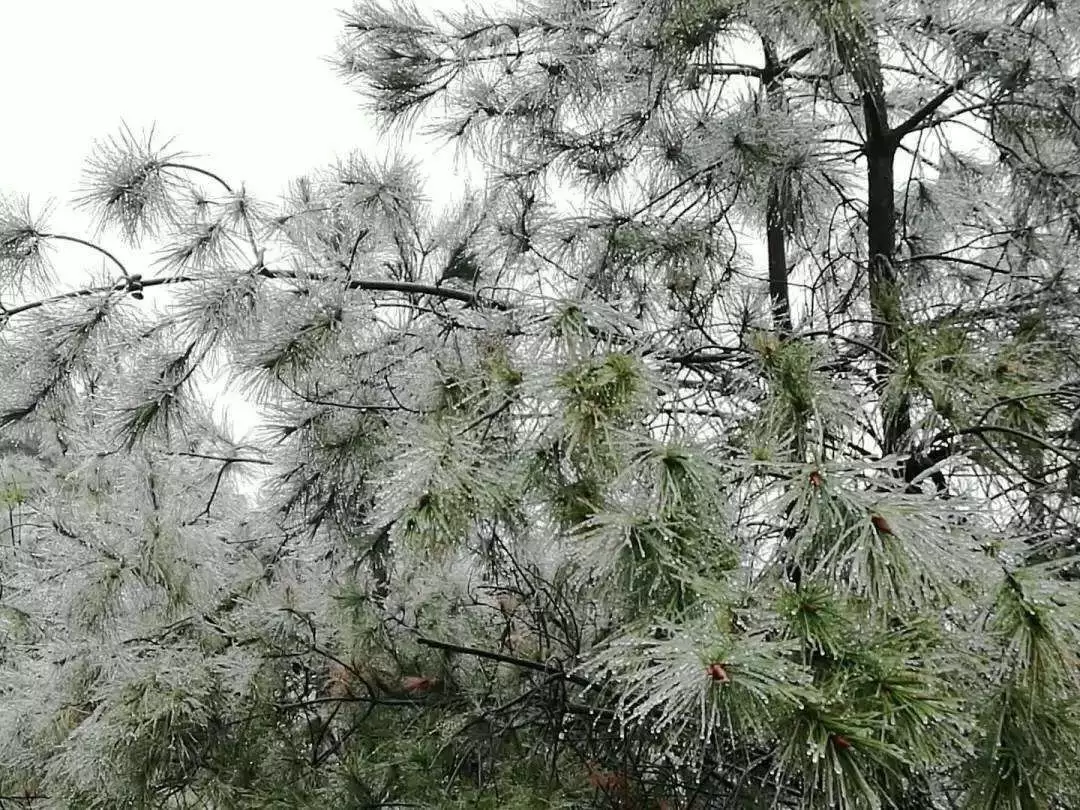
719,450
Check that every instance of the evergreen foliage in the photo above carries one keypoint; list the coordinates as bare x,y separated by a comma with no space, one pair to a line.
721,451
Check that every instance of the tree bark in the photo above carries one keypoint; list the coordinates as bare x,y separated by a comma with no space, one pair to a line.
853,38
775,206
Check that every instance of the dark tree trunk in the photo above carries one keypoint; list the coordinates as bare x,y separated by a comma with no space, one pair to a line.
776,213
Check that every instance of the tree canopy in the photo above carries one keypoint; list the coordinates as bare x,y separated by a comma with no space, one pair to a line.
720,448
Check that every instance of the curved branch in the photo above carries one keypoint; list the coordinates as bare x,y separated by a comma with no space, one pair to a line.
524,663
197,170
76,240
1001,403
978,430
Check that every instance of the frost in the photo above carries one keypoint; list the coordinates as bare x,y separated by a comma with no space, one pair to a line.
673,458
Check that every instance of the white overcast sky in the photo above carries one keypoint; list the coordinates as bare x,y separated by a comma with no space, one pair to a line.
243,84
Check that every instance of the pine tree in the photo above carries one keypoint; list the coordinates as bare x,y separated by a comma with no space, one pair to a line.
721,450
